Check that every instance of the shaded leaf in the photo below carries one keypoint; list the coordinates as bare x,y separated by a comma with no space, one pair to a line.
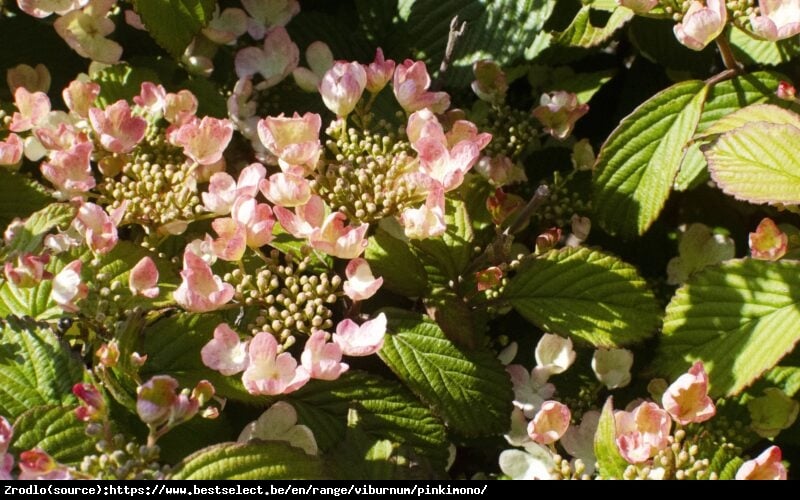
609,460
56,430
173,23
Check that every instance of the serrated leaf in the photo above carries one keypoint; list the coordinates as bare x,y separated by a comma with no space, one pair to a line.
731,95
258,460
386,410
36,368
173,346
469,389
730,469
498,30
693,171
757,163
787,378
392,259
739,318
454,317
751,51
447,256
766,113
121,81
20,196
173,23
586,294
582,33
32,301
54,429
609,461
724,100
36,227
639,161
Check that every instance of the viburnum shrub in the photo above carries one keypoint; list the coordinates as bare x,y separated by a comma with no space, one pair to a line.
370,239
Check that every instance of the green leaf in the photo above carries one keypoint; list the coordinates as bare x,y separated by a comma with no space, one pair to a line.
497,30
386,410
19,196
32,301
583,85
787,378
55,430
731,95
609,461
121,81
173,23
587,294
392,259
739,318
447,256
751,51
454,317
36,227
173,346
469,389
263,461
638,163
693,171
766,113
35,367
757,163
582,33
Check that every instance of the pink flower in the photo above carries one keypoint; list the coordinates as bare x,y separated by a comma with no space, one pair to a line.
143,279
426,221
67,287
204,140
687,398
98,229
156,399
70,171
322,359
34,79
37,464
295,140
335,239
43,8
80,96
786,91
702,23
642,432
554,353
768,242
225,353
11,150
531,388
223,190
488,278
379,72
60,137
256,218
360,284
93,407
490,82
779,19
227,26
638,6
765,466
270,373
550,422
361,340
152,98
29,270
6,434
445,158
200,290
411,82
267,15
286,189
232,241
85,32
180,108
119,131
558,112
274,62
342,86
33,110
304,220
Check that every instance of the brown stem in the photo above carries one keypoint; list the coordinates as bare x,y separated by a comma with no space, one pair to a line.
728,59
452,37
538,198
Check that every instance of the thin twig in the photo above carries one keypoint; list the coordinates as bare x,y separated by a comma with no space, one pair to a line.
725,50
452,38
538,198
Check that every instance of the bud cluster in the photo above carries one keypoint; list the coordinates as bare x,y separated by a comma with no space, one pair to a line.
123,459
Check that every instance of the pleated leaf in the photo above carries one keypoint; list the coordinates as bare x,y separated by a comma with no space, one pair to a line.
739,318
609,460
638,163
582,33
587,294
470,390
173,23
56,430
